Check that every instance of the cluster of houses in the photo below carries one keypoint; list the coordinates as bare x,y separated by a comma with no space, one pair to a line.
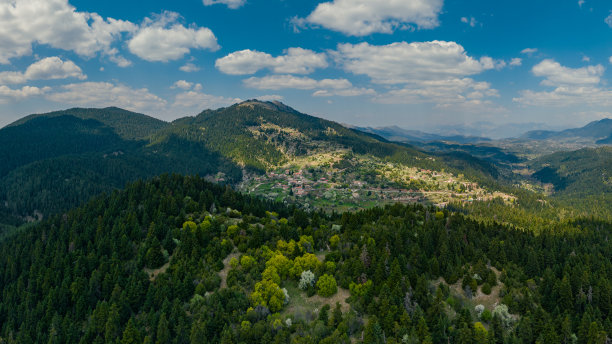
342,186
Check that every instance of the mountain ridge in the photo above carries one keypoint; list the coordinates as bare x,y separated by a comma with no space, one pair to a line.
398,134
596,130
128,124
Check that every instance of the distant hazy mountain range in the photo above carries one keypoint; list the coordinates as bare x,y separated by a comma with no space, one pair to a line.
598,131
494,131
395,133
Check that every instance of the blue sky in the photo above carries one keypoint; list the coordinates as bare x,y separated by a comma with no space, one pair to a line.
418,64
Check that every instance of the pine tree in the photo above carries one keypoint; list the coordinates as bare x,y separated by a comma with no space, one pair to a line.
163,333
131,335
112,326
497,330
336,318
373,333
566,299
464,335
596,334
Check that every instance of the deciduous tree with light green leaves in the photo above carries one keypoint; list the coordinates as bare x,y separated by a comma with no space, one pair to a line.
282,264
327,286
268,294
306,262
334,241
247,262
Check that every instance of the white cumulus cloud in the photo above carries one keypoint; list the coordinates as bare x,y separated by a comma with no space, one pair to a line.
571,86
608,20
8,94
294,61
233,4
420,72
58,24
278,82
345,92
182,84
163,39
403,62
103,94
189,100
442,92
45,69
364,17
194,101
567,96
119,60
324,87
269,97
555,74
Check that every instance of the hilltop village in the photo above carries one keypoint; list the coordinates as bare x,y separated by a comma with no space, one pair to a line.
355,182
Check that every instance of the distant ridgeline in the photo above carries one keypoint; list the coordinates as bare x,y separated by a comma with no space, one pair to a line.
52,162
180,260
597,131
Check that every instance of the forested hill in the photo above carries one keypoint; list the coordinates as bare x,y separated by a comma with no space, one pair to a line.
44,138
56,161
582,178
180,260
129,125
273,138
263,134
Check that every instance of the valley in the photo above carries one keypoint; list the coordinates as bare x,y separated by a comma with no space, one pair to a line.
295,229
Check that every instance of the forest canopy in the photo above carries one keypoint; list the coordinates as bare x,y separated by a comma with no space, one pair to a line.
180,260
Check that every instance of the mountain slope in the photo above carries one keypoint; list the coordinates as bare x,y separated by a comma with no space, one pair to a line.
582,170
605,141
582,178
261,135
51,162
129,125
54,185
290,156
264,135
44,137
